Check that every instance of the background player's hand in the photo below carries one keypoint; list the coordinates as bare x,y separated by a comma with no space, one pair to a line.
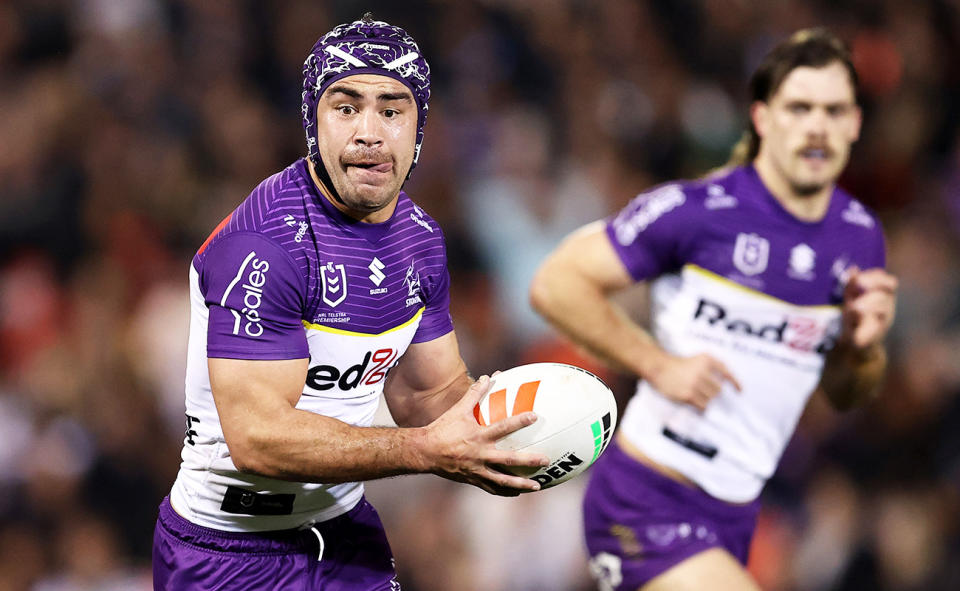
691,380
463,450
869,304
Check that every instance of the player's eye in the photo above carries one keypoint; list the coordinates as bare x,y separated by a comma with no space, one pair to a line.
836,110
347,109
390,113
798,108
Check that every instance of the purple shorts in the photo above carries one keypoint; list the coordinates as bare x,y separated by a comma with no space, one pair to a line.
356,555
639,523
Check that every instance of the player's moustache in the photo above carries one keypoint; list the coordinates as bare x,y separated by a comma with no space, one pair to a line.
365,157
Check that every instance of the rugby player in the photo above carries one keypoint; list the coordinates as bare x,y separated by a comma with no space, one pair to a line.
767,284
326,287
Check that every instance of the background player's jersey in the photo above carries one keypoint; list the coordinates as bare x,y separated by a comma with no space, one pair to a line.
288,276
738,277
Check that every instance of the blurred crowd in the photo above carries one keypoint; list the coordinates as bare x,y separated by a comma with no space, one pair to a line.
129,129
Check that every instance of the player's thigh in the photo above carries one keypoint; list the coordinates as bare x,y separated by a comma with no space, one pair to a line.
714,569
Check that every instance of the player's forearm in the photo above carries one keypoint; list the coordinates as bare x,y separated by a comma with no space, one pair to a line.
852,377
419,408
306,447
584,313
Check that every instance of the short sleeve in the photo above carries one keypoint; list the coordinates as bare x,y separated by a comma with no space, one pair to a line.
255,295
436,320
649,233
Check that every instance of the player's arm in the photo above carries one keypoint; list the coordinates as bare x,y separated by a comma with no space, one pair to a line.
427,380
268,435
572,290
430,386
855,367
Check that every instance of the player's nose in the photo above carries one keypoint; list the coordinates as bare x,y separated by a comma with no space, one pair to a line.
369,131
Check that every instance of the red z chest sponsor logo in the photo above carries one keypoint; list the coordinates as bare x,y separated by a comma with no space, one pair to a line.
797,332
325,377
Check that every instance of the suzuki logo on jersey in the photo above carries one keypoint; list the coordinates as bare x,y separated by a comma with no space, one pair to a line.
373,369
750,254
376,268
334,280
797,332
252,287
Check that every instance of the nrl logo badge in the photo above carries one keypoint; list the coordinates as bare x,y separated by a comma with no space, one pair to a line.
334,279
751,253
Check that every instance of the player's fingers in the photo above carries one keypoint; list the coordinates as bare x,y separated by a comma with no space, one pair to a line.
476,391
718,367
879,304
709,385
697,400
510,481
510,424
870,330
518,459
700,402
877,279
851,288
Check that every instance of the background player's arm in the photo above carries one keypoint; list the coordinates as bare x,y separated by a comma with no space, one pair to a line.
268,435
855,367
571,290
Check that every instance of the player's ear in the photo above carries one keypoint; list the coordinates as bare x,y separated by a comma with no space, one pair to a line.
760,116
856,120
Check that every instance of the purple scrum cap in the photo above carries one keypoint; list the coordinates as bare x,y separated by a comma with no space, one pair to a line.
364,46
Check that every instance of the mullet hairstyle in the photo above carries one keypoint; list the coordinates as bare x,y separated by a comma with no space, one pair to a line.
814,48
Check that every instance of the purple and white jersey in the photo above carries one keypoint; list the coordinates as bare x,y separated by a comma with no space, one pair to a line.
288,276
736,276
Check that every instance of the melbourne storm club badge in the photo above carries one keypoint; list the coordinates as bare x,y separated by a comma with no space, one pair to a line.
412,281
334,279
751,253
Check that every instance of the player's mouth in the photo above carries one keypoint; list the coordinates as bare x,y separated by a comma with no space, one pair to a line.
816,154
371,166
369,171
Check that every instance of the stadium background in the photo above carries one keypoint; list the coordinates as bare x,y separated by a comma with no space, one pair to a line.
128,129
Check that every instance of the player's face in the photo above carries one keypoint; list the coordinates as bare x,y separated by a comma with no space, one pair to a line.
807,127
366,132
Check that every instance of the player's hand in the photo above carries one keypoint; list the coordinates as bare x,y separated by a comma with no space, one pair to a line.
461,449
869,304
691,380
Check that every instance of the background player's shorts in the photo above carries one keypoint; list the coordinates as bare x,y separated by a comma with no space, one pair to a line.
639,523
356,555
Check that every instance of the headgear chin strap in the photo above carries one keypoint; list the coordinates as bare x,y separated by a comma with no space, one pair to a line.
364,46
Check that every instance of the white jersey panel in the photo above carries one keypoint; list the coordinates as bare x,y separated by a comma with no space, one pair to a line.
774,349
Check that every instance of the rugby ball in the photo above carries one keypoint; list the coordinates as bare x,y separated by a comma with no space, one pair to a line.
576,415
